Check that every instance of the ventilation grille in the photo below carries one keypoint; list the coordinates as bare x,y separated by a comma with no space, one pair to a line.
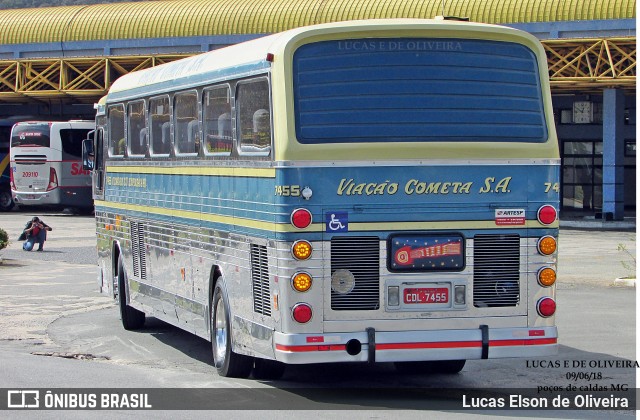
260,280
361,257
31,159
138,249
496,270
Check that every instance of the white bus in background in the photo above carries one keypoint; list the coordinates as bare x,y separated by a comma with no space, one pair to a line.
46,166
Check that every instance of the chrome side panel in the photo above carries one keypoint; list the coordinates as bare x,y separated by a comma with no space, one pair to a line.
174,283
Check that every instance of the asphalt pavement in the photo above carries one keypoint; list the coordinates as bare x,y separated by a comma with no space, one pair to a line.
67,242
56,311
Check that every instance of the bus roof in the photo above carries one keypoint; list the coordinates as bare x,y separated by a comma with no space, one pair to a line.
250,57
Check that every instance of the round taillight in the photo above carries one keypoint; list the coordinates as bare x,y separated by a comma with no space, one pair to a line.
546,276
301,250
547,214
547,245
302,313
301,218
546,307
301,281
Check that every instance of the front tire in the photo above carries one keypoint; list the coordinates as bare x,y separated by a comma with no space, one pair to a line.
227,362
132,319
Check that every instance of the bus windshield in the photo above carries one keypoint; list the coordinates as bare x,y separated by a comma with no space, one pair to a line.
417,90
31,135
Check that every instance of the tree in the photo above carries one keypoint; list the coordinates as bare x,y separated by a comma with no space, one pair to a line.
4,239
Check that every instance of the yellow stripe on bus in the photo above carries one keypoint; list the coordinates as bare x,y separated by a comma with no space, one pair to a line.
4,163
216,218
159,170
319,227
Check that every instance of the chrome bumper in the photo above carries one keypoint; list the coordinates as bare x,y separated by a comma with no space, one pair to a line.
406,346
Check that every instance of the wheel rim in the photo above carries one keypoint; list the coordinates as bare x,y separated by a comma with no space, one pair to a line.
220,331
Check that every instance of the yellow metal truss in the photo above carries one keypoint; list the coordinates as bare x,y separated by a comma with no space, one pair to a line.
575,65
83,79
591,64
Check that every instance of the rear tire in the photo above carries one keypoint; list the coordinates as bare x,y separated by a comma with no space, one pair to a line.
435,366
227,362
268,369
132,319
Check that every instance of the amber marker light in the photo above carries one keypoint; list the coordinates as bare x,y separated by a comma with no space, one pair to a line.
301,250
546,276
547,245
301,281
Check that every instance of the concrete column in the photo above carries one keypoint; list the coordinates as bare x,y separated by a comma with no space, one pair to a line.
613,154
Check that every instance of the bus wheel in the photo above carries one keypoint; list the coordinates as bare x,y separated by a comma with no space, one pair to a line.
132,319
435,366
227,362
268,369
6,202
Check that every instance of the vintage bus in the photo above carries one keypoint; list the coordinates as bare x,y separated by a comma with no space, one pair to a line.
46,164
363,191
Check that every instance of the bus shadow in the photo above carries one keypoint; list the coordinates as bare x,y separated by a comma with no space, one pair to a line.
347,386
381,386
185,342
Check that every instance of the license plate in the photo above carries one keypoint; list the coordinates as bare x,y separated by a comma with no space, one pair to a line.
30,197
426,295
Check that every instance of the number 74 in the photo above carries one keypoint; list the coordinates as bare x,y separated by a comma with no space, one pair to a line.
548,186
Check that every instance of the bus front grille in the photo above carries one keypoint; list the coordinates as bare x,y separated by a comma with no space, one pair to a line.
359,256
496,270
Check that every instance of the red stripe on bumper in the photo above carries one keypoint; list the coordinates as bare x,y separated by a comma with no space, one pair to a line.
428,345
465,344
298,349
433,345
535,342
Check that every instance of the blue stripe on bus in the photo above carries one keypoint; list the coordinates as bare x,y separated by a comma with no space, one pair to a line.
368,195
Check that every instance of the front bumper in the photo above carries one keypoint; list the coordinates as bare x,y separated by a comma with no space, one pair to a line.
407,346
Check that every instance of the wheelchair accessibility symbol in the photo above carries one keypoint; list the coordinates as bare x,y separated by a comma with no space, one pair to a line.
337,221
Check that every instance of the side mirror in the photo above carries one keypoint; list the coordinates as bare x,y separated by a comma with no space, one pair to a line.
88,155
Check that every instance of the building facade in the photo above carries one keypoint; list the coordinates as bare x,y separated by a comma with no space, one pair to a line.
59,61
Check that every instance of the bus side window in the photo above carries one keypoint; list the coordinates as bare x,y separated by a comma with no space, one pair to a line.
255,117
117,143
218,136
186,126
159,126
137,129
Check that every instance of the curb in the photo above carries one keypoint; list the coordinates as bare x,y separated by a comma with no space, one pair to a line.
621,282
